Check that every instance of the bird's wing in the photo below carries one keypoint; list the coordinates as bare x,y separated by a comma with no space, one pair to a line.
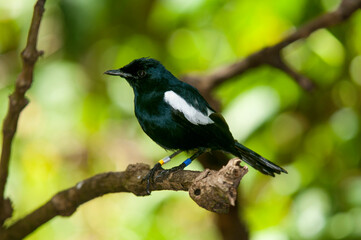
189,107
202,122
219,120
194,97
214,135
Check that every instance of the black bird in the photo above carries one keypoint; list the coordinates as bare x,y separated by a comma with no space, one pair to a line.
174,115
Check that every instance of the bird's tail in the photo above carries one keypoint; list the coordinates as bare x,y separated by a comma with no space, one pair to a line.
256,161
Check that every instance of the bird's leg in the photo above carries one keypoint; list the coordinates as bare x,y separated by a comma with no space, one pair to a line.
165,172
150,176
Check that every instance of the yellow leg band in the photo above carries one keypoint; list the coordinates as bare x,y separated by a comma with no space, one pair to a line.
161,162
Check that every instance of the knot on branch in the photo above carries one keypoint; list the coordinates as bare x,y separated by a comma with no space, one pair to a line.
216,191
133,178
30,55
17,104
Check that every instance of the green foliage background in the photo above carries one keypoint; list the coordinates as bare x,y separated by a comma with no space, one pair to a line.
81,122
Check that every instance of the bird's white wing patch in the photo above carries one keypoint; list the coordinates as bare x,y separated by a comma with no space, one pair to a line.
190,113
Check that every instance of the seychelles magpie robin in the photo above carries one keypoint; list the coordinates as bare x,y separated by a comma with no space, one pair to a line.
174,115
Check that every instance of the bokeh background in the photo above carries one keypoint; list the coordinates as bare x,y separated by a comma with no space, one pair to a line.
81,122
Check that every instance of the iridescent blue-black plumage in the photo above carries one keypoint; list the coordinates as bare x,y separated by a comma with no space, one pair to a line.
174,115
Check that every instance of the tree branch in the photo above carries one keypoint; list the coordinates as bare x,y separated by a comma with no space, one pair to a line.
17,102
213,190
272,55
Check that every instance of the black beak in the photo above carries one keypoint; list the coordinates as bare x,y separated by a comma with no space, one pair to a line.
118,72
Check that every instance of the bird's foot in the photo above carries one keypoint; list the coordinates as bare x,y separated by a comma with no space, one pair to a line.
166,172
150,176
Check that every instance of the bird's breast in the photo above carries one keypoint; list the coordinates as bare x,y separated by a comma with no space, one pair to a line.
156,122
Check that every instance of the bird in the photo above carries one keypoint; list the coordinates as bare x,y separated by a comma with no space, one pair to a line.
175,116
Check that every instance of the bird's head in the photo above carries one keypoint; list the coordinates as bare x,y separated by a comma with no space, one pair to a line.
142,73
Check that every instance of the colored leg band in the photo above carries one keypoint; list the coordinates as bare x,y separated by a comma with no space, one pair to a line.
187,162
164,160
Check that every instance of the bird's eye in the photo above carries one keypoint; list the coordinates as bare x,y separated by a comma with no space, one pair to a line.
141,73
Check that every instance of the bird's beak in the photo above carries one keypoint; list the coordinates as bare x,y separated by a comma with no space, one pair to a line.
118,72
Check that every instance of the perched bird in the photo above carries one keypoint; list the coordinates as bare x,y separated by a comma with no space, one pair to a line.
175,116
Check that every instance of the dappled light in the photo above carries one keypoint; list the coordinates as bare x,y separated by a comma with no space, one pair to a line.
80,122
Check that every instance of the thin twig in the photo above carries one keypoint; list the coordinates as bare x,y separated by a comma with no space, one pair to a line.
272,55
17,102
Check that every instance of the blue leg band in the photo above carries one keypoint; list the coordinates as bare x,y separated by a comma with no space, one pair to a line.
187,162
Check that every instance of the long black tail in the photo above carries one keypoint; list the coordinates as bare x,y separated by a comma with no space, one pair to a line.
256,161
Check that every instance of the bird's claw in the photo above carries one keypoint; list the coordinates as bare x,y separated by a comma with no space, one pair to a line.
166,172
163,173
150,176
